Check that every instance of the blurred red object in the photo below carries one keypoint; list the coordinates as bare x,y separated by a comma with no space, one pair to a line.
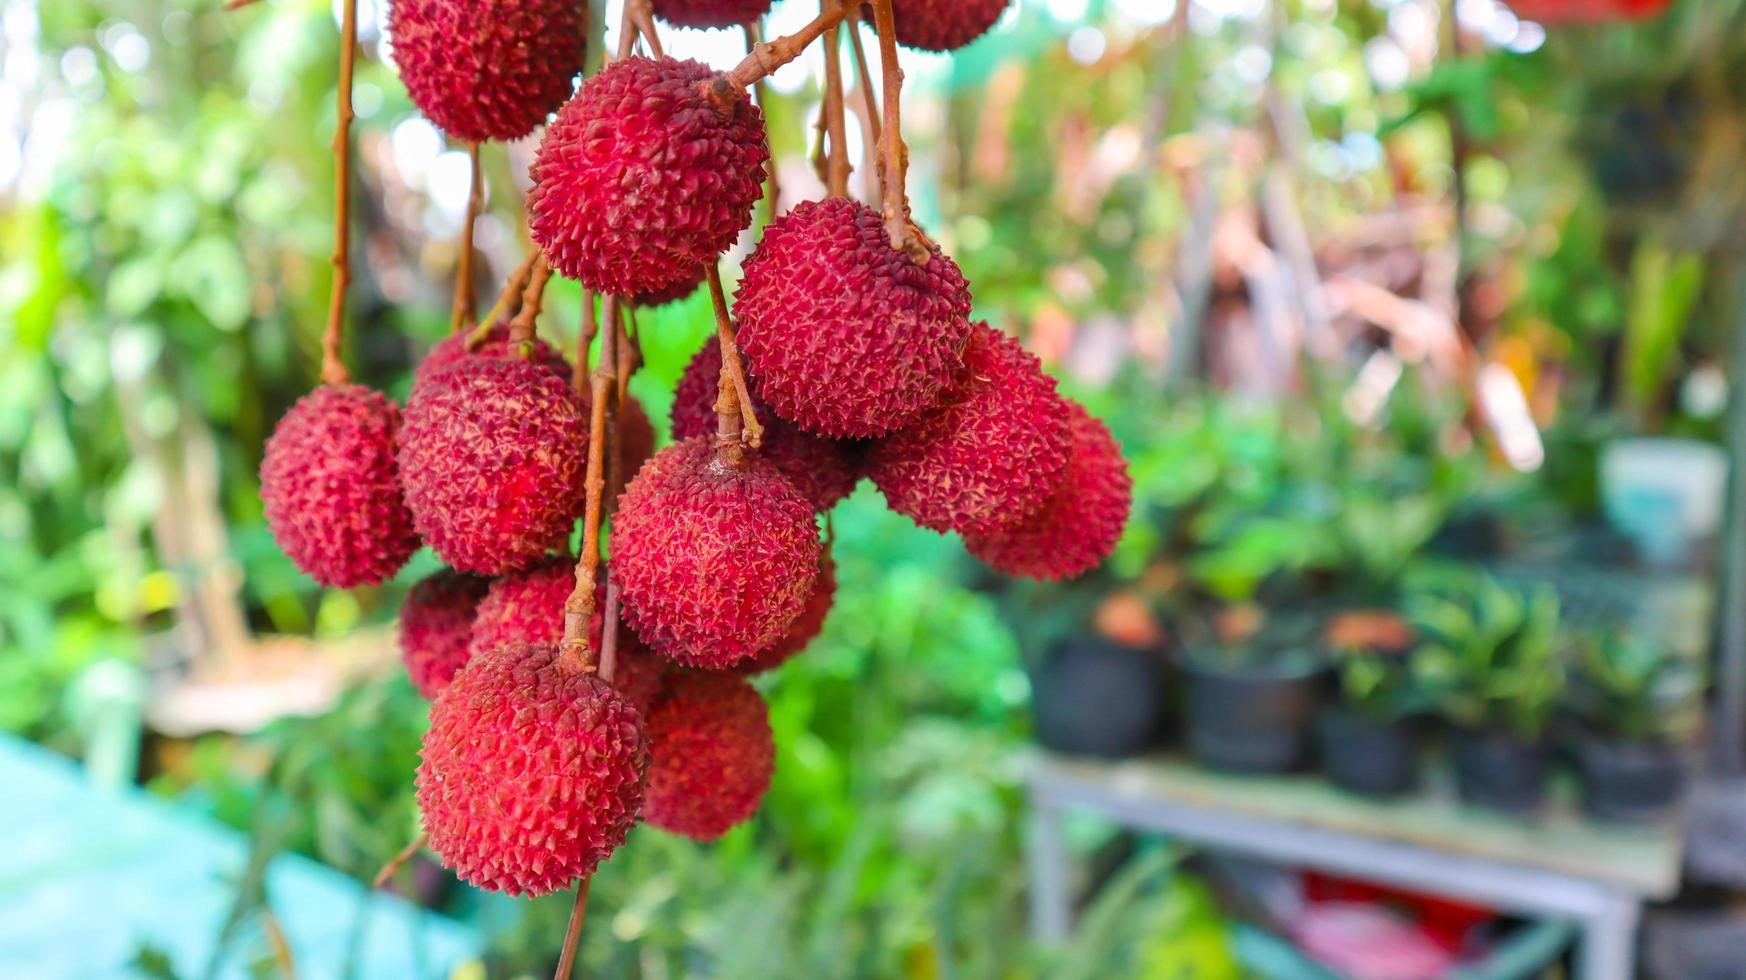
1446,922
1587,11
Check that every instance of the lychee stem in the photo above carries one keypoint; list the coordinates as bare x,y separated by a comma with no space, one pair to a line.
870,102
638,21
573,932
585,331
399,860
511,289
466,303
737,424
898,227
772,186
533,298
766,58
837,166
575,651
333,369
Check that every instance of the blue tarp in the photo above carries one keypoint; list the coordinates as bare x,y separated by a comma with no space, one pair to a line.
89,877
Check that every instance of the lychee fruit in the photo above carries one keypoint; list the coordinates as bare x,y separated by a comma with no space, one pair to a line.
636,440
487,69
712,754
710,13
496,345
642,177
492,461
805,629
532,771
941,25
823,470
528,607
989,454
714,561
1079,525
848,336
328,485
436,623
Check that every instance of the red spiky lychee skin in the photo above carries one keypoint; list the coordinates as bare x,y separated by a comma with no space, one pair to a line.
641,179
436,623
487,69
805,629
823,470
941,25
714,562
329,488
492,463
1079,525
848,336
531,773
712,754
989,454
670,294
710,13
454,348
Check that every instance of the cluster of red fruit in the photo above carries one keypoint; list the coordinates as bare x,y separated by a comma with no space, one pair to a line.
861,360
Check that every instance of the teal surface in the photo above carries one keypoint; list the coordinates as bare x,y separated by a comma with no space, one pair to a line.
89,877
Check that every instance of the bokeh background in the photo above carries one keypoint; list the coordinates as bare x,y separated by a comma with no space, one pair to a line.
1230,229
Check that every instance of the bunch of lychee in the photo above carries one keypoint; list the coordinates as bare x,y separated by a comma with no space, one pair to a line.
861,359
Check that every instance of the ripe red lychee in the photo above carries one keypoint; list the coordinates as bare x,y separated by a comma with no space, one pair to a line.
710,13
848,336
941,25
329,488
823,470
636,440
989,454
487,69
531,773
805,629
454,348
492,462
1079,525
641,178
714,561
528,607
436,623
712,755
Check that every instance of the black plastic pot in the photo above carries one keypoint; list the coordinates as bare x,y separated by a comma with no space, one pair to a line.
1252,719
1628,782
1369,756
1500,771
1095,697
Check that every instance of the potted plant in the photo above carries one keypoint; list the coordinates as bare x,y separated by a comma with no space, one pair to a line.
1489,661
1252,693
1635,706
1369,738
1098,671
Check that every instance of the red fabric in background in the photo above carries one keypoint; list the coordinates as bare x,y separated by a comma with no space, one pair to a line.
1445,921
1551,12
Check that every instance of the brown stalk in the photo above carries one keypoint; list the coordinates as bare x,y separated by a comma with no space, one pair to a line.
511,290
736,423
333,369
573,932
638,21
466,303
837,166
395,863
869,103
895,201
766,58
579,608
773,190
533,299
585,332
